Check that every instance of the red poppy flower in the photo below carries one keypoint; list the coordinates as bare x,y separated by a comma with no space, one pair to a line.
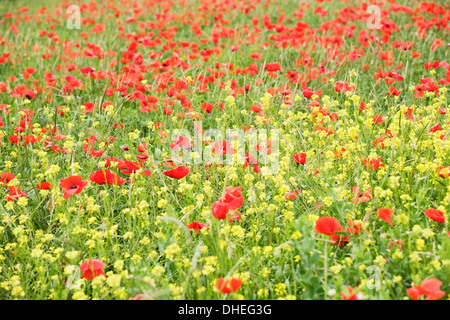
30,139
378,119
256,108
29,94
256,56
435,128
44,186
415,292
129,167
351,295
197,226
379,142
385,214
436,215
264,147
6,177
420,90
300,158
220,210
365,197
251,160
15,193
228,285
354,227
339,152
291,195
89,107
430,288
395,75
223,147
342,86
393,91
142,147
373,164
233,197
177,173
309,93
14,140
181,142
272,67
142,157
437,43
339,239
327,225
92,268
207,107
146,173
73,185
94,153
235,216
106,176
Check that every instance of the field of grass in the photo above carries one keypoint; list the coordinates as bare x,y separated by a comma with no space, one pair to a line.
224,149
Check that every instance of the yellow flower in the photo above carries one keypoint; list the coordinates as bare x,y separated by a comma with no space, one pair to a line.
22,202
114,280
420,244
380,261
157,271
297,234
416,229
280,289
336,268
262,293
136,258
265,272
436,264
414,257
79,295
427,233
398,254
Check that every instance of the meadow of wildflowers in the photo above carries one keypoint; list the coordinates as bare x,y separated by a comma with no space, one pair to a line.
224,149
